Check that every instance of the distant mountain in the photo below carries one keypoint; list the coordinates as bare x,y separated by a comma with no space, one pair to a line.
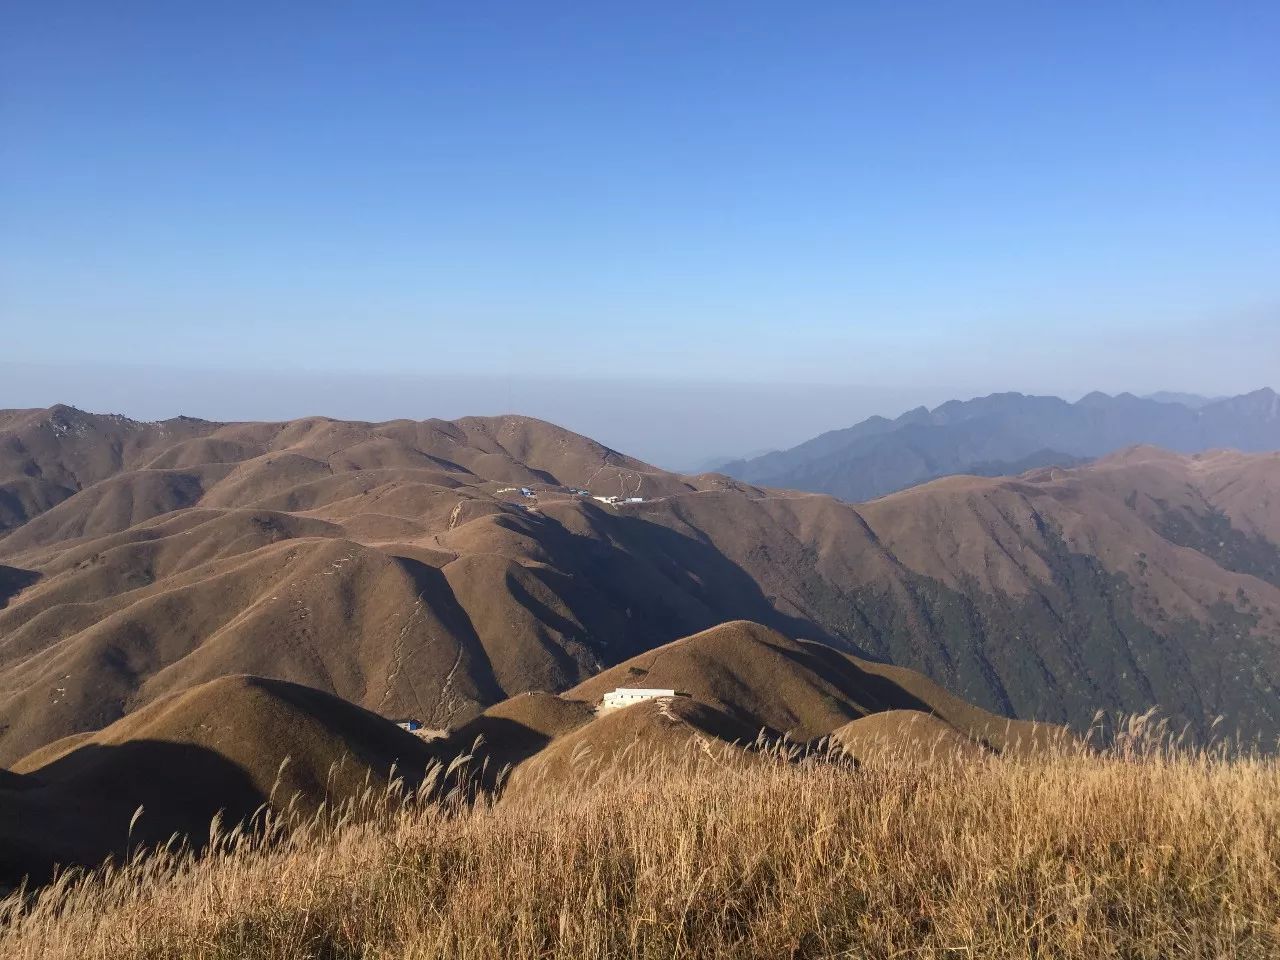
1006,434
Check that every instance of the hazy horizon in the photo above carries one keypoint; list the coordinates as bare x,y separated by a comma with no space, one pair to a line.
679,425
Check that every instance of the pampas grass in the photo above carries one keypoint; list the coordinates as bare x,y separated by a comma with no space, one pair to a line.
1136,852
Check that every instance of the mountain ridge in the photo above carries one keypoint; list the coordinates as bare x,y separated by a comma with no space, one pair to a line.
996,434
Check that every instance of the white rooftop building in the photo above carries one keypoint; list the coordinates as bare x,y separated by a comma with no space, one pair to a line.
627,696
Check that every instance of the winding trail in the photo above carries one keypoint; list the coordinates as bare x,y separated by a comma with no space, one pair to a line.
441,703
397,655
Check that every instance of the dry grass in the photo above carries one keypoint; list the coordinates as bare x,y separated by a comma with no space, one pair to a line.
1149,854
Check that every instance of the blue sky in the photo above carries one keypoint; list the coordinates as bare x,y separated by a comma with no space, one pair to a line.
893,197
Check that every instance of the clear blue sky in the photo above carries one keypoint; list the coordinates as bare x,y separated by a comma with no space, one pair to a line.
1049,197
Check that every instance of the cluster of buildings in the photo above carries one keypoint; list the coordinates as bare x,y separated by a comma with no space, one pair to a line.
576,491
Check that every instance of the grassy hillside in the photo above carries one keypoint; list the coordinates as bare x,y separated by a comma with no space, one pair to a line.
228,748
1070,855
241,746
399,566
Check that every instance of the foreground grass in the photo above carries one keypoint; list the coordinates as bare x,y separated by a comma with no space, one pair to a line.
1163,856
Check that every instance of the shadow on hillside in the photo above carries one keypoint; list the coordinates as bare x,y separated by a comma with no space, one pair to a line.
435,590
627,586
13,580
507,743
77,809
869,690
672,584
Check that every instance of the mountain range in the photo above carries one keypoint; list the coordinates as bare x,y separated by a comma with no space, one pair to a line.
1007,434
402,567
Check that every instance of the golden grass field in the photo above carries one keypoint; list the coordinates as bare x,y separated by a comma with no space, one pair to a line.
1136,853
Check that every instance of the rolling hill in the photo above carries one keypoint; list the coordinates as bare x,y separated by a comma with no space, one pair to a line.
738,683
1007,434
218,748
239,744
399,566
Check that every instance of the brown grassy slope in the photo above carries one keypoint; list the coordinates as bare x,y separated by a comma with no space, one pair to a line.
741,681
218,746
1048,596
1142,578
1112,586
137,575
432,610
652,735
323,612
1116,510
154,600
1071,857
68,451
49,455
806,690
115,504
910,732
512,731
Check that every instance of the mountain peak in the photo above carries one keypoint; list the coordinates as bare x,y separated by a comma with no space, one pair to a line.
1095,398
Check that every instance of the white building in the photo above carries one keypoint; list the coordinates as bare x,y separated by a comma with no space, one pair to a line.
627,696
